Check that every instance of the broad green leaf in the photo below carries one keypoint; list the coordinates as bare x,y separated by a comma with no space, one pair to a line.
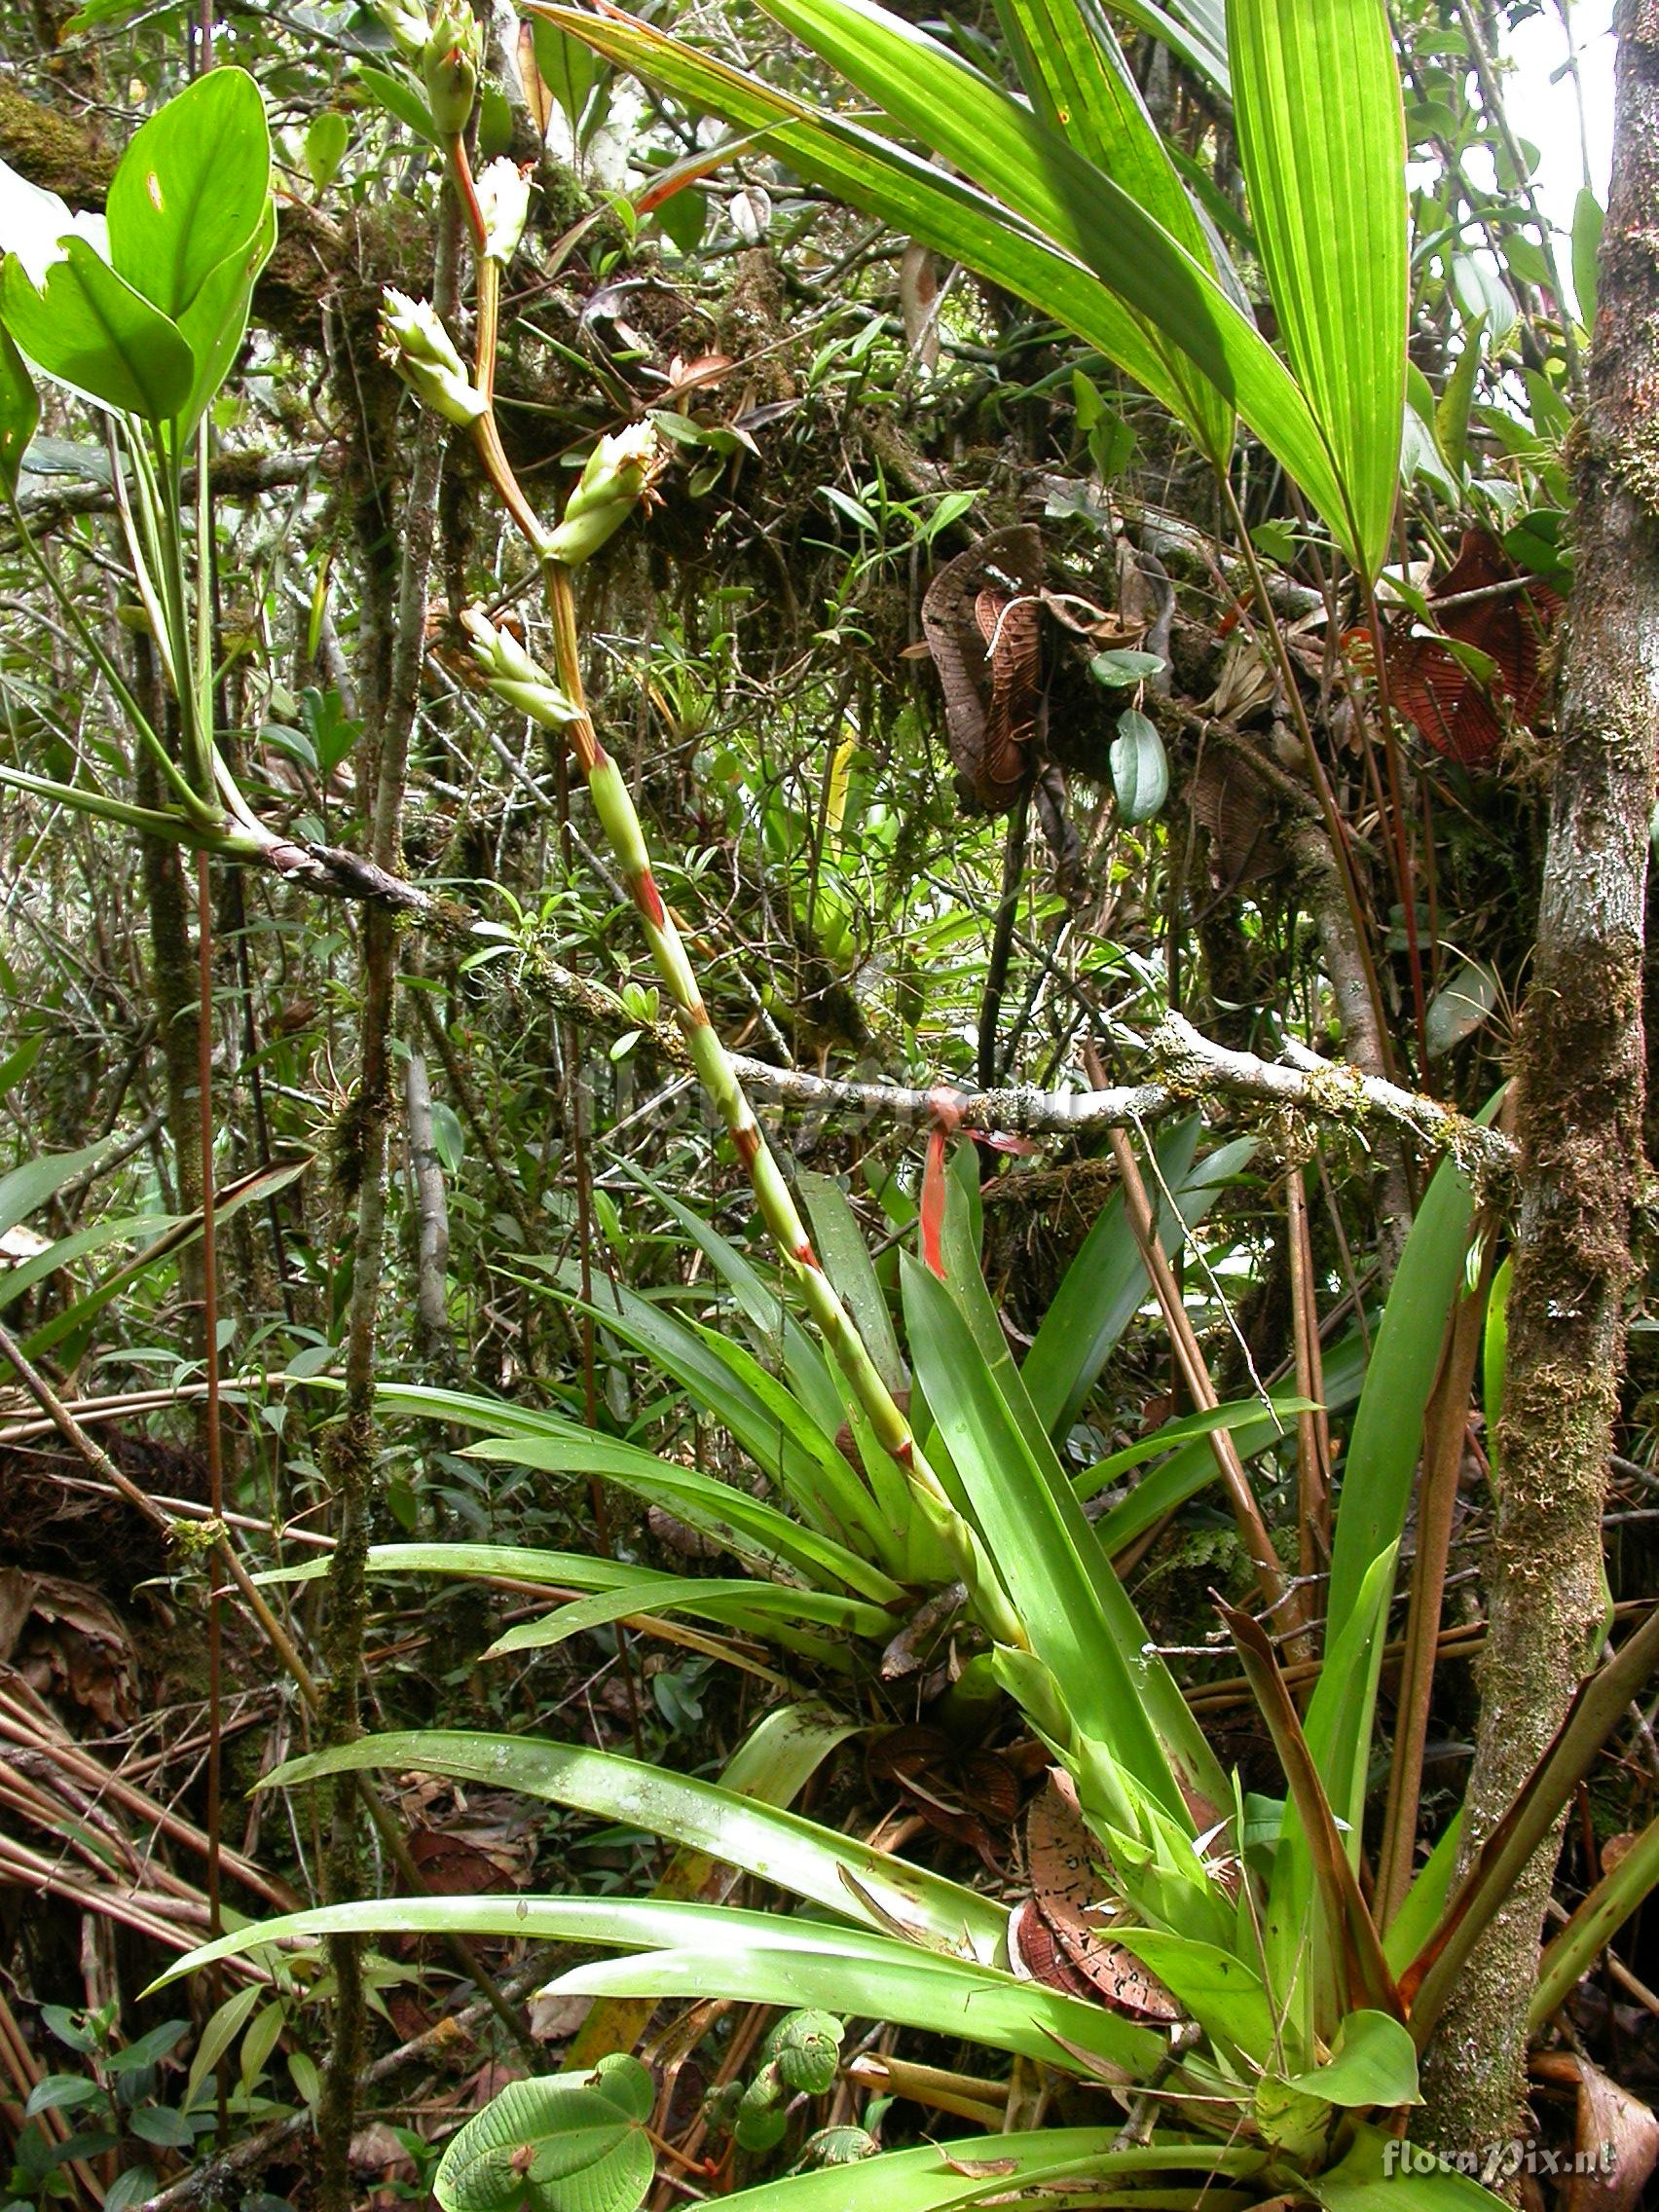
756,1957
1462,1003
215,322
1148,271
19,411
567,67
1322,135
556,2143
1387,1428
1380,2174
1373,2062
1140,768
1450,421
31,1186
400,101
191,190
833,1871
92,331
222,2030
327,136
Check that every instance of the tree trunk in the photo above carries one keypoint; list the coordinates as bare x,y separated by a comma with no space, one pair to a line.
1580,1124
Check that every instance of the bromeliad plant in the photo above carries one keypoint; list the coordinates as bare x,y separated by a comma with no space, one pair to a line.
1301,2013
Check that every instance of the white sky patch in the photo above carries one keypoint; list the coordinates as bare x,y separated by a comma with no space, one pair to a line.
1546,114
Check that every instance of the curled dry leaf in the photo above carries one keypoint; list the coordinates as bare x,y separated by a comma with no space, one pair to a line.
1068,1895
967,1796
982,620
1615,2138
1234,807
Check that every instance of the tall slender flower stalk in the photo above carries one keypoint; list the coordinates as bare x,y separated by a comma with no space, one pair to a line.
615,483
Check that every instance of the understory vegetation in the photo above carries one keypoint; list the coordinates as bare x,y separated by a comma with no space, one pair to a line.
824,1354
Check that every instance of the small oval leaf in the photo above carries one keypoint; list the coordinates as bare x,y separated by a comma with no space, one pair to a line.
1140,768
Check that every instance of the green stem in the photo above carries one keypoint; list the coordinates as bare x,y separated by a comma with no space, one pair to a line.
620,818
158,822
620,821
92,646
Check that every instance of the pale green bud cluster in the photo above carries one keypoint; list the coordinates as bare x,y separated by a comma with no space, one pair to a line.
503,200
616,478
513,676
450,62
409,24
414,340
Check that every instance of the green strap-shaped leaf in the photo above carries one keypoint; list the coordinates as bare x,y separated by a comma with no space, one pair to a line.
90,330
829,1869
1080,1622
975,2169
1036,169
737,1600
1387,1428
756,1957
773,1328
1077,78
723,1510
1194,30
1322,135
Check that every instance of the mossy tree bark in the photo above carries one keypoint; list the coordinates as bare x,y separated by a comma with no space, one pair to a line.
349,1452
1580,1071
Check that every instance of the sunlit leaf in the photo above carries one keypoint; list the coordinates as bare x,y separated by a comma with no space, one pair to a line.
1321,133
